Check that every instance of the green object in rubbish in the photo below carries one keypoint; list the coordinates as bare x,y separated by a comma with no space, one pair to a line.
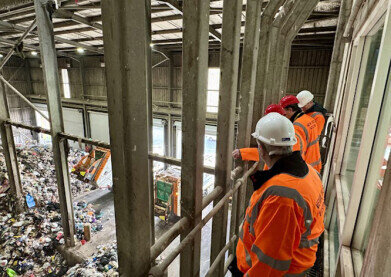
11,272
164,190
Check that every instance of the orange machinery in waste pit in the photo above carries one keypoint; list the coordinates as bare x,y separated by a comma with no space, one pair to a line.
95,168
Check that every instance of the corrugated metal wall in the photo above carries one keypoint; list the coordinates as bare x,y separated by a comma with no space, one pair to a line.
17,74
309,69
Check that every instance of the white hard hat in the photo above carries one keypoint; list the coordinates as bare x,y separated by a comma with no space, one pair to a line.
275,129
304,98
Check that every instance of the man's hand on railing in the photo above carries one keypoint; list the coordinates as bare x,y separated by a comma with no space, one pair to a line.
236,154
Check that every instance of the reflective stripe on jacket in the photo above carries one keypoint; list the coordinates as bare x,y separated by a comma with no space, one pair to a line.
306,127
319,119
284,220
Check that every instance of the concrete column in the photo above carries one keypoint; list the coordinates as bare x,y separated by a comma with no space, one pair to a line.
195,70
86,118
263,52
229,64
247,85
52,84
9,151
337,56
30,91
148,54
125,36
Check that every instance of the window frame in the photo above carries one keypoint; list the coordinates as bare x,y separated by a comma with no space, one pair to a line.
350,260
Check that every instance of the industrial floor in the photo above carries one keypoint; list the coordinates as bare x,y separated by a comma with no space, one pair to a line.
103,200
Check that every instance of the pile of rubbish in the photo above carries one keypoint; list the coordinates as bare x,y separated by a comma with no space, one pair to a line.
28,241
39,176
103,263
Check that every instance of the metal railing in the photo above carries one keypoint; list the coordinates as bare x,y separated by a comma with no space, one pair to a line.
165,240
159,269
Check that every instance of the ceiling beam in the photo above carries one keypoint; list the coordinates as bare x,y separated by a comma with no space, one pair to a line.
56,38
174,4
79,19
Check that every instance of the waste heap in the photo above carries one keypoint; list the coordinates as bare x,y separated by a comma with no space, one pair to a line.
28,240
103,263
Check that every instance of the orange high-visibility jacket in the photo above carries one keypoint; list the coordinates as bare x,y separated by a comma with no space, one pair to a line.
284,220
319,119
308,130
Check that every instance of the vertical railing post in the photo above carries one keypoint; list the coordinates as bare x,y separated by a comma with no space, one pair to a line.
126,38
195,68
9,150
229,64
247,85
52,84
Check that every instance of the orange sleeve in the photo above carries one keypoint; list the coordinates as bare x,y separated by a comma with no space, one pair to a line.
277,235
249,154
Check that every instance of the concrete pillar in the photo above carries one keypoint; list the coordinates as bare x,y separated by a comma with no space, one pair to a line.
125,36
9,151
336,58
195,70
229,64
263,52
52,84
148,54
247,85
86,118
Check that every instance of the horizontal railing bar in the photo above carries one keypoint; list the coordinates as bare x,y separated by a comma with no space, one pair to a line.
86,140
177,162
227,263
211,196
168,237
62,134
236,172
220,256
28,127
158,270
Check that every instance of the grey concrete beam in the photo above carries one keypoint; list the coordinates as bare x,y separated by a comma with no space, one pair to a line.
9,151
194,72
125,35
229,65
52,84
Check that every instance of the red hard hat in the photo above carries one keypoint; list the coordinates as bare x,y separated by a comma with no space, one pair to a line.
274,108
288,100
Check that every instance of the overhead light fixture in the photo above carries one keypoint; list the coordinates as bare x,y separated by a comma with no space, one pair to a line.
151,44
1,55
34,53
80,50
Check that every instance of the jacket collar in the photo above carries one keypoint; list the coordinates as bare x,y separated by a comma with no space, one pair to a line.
317,108
296,115
292,164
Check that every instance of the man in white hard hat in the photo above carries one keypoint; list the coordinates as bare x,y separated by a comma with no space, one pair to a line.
284,220
311,108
